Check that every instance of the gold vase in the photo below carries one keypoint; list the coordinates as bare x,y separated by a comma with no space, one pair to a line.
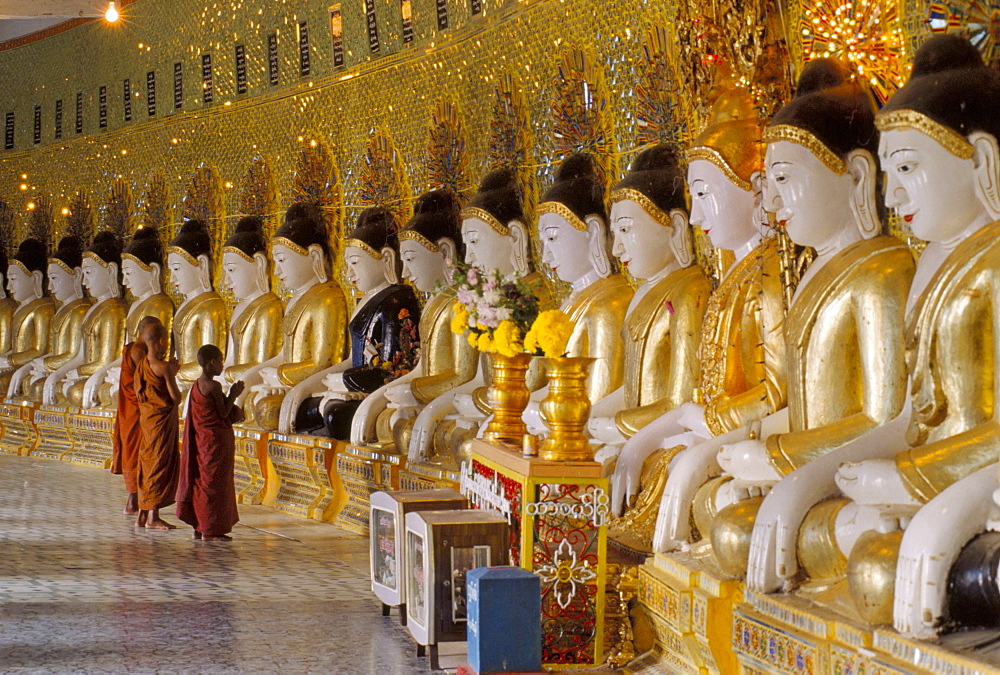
566,409
508,397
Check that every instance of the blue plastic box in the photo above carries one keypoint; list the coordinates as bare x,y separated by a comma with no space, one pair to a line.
504,620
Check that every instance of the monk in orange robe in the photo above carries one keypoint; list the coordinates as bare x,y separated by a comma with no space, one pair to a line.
206,494
158,396
127,435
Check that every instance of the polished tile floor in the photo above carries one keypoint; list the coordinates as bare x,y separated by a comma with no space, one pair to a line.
82,590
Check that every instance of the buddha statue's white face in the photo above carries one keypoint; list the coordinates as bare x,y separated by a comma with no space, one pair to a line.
136,279
185,277
63,285
20,284
364,270
422,267
722,209
485,248
815,202
932,190
641,243
240,275
565,248
97,279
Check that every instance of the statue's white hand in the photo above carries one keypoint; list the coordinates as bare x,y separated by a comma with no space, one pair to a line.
532,417
873,481
605,429
689,470
748,461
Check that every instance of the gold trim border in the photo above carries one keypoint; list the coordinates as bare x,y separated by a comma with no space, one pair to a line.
640,198
486,217
236,251
289,244
129,256
950,140
357,243
413,235
715,157
96,258
184,254
561,209
787,132
60,263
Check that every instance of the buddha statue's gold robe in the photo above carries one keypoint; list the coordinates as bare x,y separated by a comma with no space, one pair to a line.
661,337
103,338
952,344
7,308
64,342
314,331
200,321
159,305
255,335
29,336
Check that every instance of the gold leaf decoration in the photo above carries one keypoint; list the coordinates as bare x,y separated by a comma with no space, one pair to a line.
203,201
581,113
447,156
511,139
118,210
40,220
80,222
383,177
259,194
660,116
972,19
316,182
157,210
7,226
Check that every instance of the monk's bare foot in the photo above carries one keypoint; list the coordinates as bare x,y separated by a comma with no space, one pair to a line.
216,537
131,504
140,521
197,534
158,524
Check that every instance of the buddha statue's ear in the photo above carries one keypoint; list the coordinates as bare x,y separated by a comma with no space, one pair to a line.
205,271
597,238
116,287
78,282
521,256
864,205
448,250
390,265
986,162
318,262
154,272
37,283
681,240
263,270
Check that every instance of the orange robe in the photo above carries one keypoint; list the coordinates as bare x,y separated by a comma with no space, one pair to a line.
127,434
206,494
158,454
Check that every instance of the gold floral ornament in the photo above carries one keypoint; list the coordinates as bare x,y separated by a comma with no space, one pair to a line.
447,160
383,176
317,182
259,194
7,220
565,574
511,139
40,220
974,20
868,33
659,109
549,334
118,212
582,119
80,221
157,210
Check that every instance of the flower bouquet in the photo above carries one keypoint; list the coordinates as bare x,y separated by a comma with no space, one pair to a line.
492,311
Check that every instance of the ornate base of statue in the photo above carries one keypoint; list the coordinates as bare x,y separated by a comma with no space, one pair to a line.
304,486
253,471
55,440
16,418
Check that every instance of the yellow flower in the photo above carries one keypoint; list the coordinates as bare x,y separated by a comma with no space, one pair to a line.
549,333
473,340
507,338
486,343
460,320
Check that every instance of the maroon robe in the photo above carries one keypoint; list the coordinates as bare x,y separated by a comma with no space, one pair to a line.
158,457
127,434
206,494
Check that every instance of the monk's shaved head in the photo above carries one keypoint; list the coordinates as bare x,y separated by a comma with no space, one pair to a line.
145,321
154,330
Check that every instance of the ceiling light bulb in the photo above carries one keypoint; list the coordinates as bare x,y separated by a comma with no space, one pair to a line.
112,14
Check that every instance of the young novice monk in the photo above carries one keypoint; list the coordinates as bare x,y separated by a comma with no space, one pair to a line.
127,435
158,396
206,495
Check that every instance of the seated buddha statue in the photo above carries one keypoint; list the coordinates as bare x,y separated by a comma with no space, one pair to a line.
29,327
938,146
201,317
496,239
255,329
142,275
740,349
314,326
382,330
428,244
844,327
66,286
7,305
572,226
103,331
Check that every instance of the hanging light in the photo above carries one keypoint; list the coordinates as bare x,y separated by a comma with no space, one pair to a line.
112,14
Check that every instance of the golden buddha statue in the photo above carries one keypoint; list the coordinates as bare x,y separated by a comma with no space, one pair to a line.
314,326
844,328
142,269
255,330
7,306
29,333
741,348
103,331
201,317
496,238
572,226
427,245
65,283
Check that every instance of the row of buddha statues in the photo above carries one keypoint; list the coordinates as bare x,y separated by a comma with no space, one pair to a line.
841,430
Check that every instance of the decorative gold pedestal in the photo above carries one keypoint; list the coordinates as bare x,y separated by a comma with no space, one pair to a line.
358,470
301,464
19,435
508,396
252,469
91,431
52,423
426,477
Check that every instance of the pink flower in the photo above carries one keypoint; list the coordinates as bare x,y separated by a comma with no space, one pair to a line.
490,284
472,275
466,297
